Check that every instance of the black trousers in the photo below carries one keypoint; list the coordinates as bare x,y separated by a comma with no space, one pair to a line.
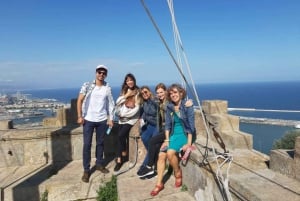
123,138
154,147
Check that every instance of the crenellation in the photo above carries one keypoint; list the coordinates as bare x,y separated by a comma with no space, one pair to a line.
215,107
6,124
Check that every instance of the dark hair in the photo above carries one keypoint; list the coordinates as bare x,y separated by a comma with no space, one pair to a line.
125,86
179,88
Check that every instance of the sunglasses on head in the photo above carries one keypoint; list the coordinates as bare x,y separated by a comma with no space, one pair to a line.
101,72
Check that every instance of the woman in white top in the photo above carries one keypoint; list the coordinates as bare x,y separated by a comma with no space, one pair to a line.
127,110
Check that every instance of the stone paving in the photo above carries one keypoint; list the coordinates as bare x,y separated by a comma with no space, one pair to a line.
132,188
66,184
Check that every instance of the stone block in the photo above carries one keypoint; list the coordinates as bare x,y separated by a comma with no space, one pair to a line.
282,162
199,181
224,122
77,145
34,152
237,140
199,123
61,116
215,106
51,122
297,158
11,154
6,124
136,142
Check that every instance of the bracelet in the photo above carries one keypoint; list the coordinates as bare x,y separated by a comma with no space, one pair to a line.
167,140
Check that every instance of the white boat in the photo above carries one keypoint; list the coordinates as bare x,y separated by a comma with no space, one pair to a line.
297,126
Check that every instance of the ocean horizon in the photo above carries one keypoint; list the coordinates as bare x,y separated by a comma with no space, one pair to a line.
262,95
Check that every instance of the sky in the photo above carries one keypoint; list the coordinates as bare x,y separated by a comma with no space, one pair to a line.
58,43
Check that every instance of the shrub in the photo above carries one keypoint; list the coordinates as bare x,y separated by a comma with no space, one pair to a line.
109,191
44,196
287,141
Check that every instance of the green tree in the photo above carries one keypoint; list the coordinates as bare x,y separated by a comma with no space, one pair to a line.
287,141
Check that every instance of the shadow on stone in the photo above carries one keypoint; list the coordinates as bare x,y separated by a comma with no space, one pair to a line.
61,155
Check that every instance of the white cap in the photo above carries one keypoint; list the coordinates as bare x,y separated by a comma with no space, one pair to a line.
101,67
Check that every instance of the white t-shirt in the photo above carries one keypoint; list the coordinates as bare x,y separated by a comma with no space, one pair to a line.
96,105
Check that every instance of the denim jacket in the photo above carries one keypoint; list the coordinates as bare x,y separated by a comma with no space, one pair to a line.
187,117
150,112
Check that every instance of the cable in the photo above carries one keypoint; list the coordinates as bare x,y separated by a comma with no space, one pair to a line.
129,166
177,38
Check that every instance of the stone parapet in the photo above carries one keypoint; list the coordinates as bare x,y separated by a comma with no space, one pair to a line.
281,161
223,128
38,146
6,124
61,142
287,162
215,107
64,116
61,139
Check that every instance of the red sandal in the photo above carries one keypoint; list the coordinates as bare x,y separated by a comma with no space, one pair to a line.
157,189
178,179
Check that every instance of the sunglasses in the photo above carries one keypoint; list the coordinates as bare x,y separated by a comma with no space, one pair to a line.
144,92
101,72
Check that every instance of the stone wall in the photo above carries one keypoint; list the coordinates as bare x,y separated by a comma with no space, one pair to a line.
287,162
224,128
61,138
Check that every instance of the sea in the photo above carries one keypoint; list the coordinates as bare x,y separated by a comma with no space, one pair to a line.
257,95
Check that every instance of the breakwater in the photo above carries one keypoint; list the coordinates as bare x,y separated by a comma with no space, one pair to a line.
270,121
279,122
262,110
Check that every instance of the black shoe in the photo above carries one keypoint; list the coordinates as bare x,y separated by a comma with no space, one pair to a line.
102,169
140,170
145,171
85,177
118,167
149,176
124,159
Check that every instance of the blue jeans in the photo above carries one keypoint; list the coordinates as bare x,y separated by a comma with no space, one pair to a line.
88,130
147,134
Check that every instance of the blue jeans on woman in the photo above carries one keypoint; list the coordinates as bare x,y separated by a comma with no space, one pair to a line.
88,130
147,133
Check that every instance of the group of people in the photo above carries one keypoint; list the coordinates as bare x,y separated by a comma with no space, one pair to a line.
166,124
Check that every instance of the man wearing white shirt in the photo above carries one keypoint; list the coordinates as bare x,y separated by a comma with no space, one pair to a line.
95,106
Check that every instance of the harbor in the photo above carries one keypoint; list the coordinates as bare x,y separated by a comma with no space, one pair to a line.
23,109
